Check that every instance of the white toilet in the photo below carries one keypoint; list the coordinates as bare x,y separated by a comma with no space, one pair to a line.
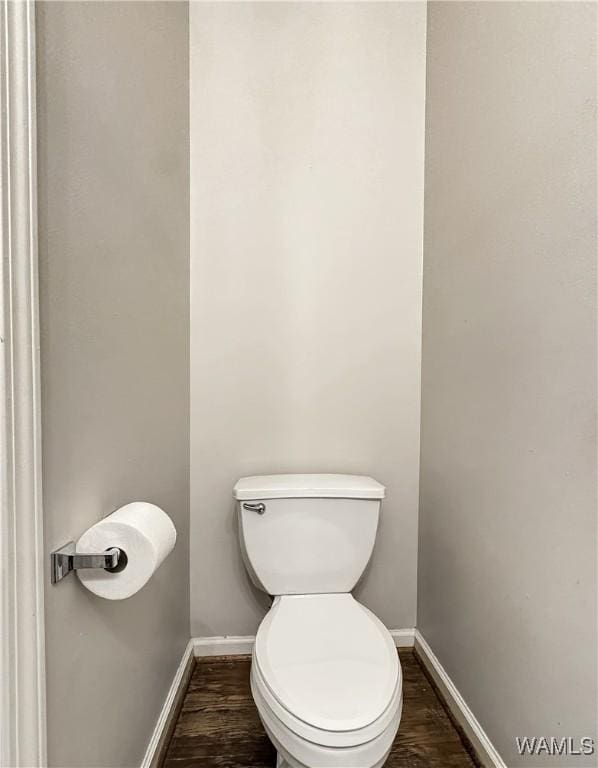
325,673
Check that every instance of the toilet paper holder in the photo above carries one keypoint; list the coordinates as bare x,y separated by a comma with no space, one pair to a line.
66,559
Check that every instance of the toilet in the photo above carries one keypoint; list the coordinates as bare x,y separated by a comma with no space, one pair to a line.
325,673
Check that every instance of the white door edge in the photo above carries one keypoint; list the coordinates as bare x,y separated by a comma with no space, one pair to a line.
22,656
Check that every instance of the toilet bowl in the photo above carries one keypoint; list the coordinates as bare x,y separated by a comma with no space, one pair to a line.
325,674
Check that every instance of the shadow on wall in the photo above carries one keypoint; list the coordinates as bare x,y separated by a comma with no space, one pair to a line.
259,600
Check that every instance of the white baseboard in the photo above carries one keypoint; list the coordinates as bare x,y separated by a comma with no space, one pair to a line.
156,746
485,750
230,645
237,645
404,638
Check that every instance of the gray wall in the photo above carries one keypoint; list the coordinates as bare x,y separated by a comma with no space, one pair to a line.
507,561
307,141
114,269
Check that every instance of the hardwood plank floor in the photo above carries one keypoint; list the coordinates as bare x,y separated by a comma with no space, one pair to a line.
218,726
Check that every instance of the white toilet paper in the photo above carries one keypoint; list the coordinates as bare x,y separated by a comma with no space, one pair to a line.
144,532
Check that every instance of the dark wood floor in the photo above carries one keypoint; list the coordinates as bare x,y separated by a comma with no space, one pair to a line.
218,726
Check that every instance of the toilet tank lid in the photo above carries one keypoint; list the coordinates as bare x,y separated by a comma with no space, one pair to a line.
308,486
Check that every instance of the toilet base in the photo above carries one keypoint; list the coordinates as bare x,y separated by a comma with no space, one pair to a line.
282,763
292,762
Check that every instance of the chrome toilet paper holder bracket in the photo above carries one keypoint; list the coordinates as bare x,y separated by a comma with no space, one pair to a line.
66,559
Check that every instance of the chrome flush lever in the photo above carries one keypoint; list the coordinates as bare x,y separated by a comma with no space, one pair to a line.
259,508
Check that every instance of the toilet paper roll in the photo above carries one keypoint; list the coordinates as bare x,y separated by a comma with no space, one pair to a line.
144,533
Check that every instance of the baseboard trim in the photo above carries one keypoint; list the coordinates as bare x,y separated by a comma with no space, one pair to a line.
158,744
229,645
404,638
241,645
485,751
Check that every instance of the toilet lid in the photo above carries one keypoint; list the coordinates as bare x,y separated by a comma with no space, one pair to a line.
328,660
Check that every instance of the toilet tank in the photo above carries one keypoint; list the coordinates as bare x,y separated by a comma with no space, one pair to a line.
307,534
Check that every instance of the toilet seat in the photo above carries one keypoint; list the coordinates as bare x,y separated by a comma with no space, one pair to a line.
327,669
301,752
